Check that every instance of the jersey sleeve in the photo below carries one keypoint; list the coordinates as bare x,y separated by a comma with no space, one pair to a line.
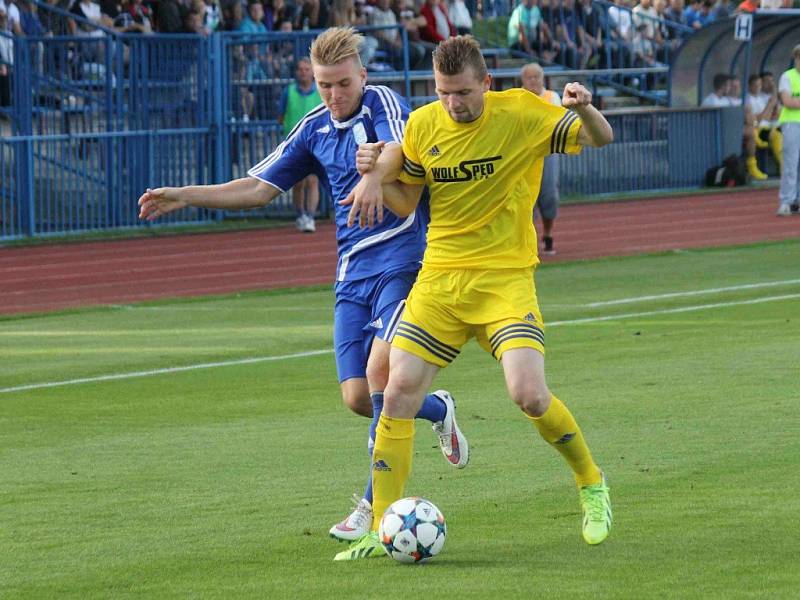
389,114
413,172
289,163
551,129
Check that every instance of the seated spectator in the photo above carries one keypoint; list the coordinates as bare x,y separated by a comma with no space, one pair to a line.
670,35
252,22
275,14
169,17
647,39
6,58
29,19
568,35
438,26
390,40
674,12
343,14
523,27
720,98
735,91
89,10
232,15
193,22
621,33
722,9
12,15
459,15
702,17
53,22
691,11
211,16
133,18
413,23
764,109
283,54
592,21
317,14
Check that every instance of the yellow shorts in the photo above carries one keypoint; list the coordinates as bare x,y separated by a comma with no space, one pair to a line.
446,308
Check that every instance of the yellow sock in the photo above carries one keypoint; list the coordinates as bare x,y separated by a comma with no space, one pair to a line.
558,428
391,463
776,143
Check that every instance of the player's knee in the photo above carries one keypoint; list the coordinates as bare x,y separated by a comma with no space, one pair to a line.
358,401
377,373
531,397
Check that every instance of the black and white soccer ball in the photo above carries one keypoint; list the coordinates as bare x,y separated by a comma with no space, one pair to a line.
412,530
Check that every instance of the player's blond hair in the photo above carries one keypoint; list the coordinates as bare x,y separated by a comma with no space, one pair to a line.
336,45
455,54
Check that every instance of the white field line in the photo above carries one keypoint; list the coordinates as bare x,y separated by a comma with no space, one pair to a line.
732,288
245,361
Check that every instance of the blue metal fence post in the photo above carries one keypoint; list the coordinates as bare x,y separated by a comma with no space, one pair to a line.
23,151
404,35
216,127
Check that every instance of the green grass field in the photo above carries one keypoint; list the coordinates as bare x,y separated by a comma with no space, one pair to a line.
222,481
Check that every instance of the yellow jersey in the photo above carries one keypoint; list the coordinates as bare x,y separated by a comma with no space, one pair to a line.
484,177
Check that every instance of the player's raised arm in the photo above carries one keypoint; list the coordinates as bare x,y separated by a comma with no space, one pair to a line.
596,130
238,194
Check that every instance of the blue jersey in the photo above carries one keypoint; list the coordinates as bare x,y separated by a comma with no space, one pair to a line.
321,145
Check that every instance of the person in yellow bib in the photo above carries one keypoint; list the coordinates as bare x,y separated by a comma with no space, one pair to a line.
298,99
479,152
789,92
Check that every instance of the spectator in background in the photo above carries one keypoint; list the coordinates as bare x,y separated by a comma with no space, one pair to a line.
133,18
722,9
169,17
647,39
53,22
547,203
748,6
621,32
29,19
11,12
789,93
252,22
735,91
720,98
569,34
211,16
763,109
459,15
413,23
592,21
232,15
193,22
390,40
674,12
438,26
691,11
298,99
343,14
6,59
318,14
701,17
523,27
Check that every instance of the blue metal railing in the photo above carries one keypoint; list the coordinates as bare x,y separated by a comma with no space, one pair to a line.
94,122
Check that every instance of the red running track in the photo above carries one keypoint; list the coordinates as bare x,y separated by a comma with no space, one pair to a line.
52,277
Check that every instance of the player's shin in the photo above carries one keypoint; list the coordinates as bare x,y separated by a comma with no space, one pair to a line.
558,427
391,463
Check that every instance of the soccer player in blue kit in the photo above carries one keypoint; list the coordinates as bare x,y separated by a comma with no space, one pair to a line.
377,265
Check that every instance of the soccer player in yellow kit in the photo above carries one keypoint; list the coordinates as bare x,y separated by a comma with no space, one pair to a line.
479,153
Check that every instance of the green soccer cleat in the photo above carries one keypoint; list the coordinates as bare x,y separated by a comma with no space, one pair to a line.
596,506
367,546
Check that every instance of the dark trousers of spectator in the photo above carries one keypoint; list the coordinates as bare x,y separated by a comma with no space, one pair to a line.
5,90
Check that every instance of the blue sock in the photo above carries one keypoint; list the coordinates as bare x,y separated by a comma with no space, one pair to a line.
377,407
433,409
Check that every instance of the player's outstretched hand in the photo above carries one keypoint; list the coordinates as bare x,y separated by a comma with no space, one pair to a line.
367,155
154,203
575,96
366,203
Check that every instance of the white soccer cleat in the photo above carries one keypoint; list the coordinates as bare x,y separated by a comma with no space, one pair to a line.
357,524
451,441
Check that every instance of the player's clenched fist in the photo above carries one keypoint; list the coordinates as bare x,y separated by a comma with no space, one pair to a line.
157,202
576,95
367,155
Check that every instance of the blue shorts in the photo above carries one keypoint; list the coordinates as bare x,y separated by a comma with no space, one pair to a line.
365,309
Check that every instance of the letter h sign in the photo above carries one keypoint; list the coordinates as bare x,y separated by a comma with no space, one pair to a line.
743,29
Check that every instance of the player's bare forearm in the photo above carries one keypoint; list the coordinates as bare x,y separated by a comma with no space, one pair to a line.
389,163
401,198
238,194
596,130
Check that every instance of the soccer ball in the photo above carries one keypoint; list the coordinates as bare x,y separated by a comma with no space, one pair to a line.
412,530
